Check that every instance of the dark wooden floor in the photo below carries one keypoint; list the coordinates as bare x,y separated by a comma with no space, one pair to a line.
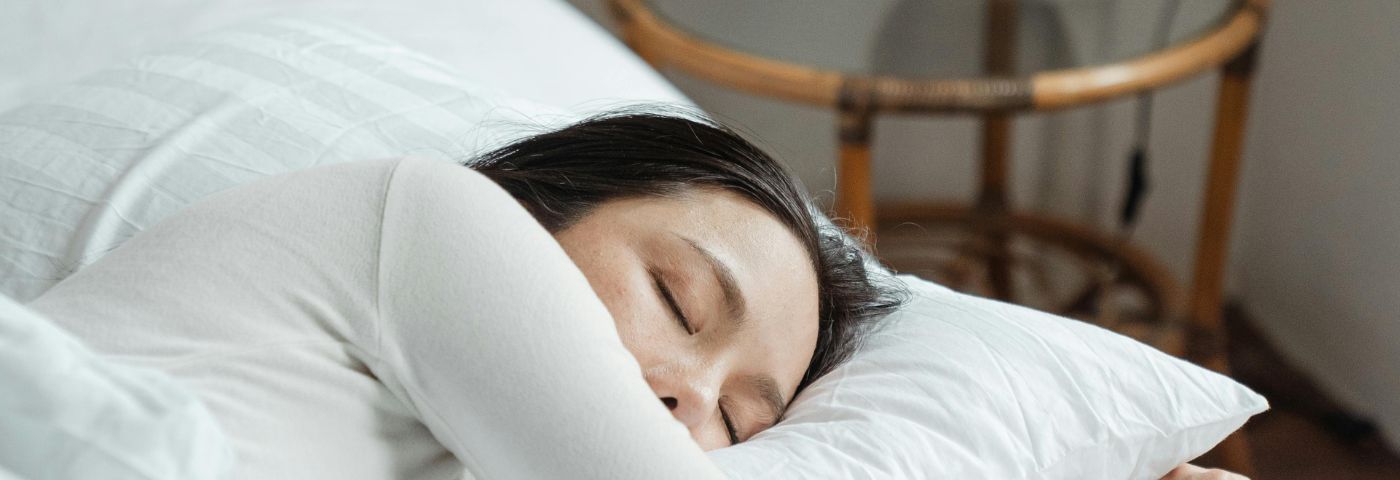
1306,435
1289,446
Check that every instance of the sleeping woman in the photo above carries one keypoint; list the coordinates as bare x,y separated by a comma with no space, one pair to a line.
607,300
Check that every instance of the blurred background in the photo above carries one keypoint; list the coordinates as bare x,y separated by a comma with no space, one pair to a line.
1313,277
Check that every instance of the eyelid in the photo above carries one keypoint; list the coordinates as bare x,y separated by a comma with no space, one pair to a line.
670,299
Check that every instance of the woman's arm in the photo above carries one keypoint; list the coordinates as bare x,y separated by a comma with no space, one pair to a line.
499,343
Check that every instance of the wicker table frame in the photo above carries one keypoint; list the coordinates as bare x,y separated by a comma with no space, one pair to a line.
1230,48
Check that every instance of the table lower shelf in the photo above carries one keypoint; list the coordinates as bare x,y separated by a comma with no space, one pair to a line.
1040,262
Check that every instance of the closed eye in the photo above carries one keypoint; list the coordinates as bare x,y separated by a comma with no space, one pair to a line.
670,299
729,426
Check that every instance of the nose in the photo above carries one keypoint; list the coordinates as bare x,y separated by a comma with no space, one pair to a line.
692,395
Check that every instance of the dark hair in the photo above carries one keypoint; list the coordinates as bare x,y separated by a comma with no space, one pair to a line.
560,176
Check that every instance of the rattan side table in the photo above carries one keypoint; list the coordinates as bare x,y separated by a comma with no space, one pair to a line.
1184,323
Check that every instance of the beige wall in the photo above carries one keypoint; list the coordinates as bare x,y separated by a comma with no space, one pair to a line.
1317,243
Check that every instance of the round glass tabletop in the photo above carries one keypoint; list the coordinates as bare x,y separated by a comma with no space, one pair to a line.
943,38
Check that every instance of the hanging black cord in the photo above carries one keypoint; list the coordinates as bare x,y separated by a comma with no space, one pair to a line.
1136,191
1138,179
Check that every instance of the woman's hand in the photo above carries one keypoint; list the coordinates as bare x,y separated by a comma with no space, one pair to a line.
1191,472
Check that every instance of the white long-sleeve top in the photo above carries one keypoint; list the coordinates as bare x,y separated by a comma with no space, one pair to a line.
377,320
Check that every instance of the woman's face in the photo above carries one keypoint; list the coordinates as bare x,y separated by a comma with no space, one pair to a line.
715,298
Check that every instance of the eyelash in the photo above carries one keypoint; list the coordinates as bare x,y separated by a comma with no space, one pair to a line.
729,427
671,301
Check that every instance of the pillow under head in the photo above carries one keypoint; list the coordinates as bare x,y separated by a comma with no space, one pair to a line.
955,386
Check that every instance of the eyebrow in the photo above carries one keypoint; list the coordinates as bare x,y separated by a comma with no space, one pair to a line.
767,387
733,298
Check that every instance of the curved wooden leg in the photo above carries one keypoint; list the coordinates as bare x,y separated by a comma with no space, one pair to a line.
1207,345
854,200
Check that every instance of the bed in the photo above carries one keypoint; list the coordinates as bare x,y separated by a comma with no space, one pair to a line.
953,386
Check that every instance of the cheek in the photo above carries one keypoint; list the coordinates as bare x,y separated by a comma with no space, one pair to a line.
605,266
624,286
636,322
619,277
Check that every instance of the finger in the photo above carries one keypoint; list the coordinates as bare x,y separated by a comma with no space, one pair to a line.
1187,471
1183,472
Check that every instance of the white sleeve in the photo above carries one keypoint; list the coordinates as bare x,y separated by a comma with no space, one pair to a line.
498,342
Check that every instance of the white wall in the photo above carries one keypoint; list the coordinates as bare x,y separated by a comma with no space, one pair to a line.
1318,250
1317,240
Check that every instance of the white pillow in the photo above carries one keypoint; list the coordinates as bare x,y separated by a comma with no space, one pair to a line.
955,386
65,413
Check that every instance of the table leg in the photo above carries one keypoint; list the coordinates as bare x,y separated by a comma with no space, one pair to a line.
992,203
854,200
1207,342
